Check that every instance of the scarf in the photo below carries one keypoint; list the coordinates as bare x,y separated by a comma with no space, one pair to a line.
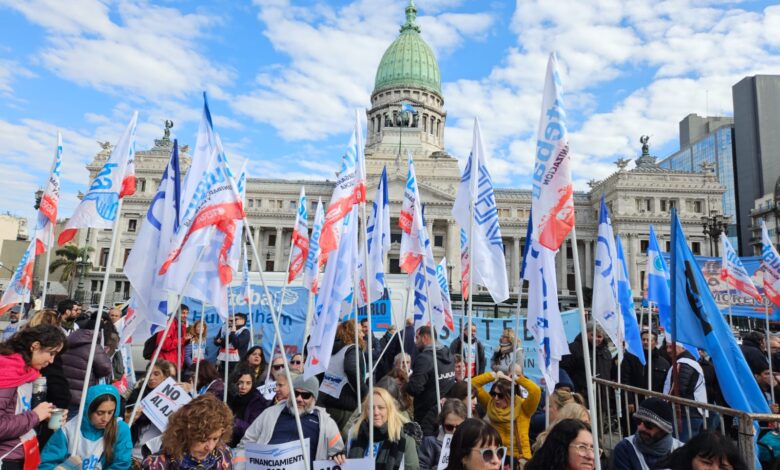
14,372
238,403
190,462
659,448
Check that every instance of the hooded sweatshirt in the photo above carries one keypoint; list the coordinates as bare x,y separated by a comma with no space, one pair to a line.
13,373
90,448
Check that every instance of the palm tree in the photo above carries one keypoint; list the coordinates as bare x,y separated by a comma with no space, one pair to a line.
70,258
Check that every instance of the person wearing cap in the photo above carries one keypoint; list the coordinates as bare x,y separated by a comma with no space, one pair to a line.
13,324
652,440
276,425
230,354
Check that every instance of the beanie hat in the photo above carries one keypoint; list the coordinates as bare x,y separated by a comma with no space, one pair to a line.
311,385
656,411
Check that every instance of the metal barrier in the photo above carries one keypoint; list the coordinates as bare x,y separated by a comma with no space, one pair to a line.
619,399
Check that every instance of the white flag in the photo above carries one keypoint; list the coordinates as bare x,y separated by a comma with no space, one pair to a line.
606,305
441,277
47,211
488,267
770,265
378,234
300,239
733,271
313,259
410,221
20,285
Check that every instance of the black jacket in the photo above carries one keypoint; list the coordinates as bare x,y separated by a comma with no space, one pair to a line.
756,359
687,378
574,364
456,347
347,400
429,453
422,387
660,368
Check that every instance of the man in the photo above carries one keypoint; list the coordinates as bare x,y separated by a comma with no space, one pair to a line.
765,383
422,382
276,425
172,349
238,342
376,345
13,325
69,311
659,363
688,382
652,440
574,362
753,348
115,314
460,368
473,352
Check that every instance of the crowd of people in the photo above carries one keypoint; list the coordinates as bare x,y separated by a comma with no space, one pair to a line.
425,413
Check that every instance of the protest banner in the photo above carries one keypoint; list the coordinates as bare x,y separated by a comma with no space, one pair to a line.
268,389
381,313
287,456
349,464
163,401
444,457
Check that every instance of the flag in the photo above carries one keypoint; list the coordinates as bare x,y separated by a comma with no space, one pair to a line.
151,247
698,321
313,263
770,267
245,289
427,296
378,236
410,221
444,289
407,107
465,264
234,255
20,285
47,210
552,193
606,309
336,287
300,240
631,333
733,271
350,189
658,281
476,190
544,318
98,209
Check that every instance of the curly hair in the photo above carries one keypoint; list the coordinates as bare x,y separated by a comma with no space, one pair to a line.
346,333
195,422
47,336
554,453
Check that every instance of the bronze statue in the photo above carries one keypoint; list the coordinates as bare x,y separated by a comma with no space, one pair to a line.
645,147
168,126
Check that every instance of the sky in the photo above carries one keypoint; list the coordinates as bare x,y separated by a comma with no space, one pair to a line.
284,77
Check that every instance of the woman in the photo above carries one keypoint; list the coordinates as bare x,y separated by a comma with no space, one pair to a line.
104,439
497,404
503,358
394,446
569,411
245,402
195,347
75,359
453,413
196,437
142,430
46,316
460,391
569,446
254,360
561,398
209,380
476,445
704,451
296,363
21,358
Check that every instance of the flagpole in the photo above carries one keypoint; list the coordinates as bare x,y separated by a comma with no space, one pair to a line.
249,298
178,346
194,391
278,337
45,278
281,302
650,336
769,351
402,338
585,345
357,343
470,322
433,337
227,350
370,344
96,330
514,376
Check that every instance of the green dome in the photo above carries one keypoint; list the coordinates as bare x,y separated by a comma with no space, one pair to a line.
409,61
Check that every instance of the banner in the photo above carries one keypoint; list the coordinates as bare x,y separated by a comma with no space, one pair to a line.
381,313
287,456
163,401
350,464
489,332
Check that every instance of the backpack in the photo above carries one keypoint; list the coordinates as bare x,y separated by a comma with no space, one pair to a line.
149,346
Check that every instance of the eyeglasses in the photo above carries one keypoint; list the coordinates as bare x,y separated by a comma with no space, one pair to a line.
304,395
647,424
489,454
450,428
583,450
277,366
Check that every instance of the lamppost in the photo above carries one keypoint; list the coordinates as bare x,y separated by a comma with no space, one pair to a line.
713,225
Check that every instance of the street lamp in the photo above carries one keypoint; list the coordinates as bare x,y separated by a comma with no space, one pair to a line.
713,226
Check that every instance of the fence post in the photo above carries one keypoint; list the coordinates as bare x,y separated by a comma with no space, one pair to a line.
746,443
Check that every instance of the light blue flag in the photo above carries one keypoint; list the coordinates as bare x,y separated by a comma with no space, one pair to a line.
658,281
606,308
698,321
631,333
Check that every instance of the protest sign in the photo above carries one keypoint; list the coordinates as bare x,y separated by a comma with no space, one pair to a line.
444,457
350,464
164,400
287,456
268,390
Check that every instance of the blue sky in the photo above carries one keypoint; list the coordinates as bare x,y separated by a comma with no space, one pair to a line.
283,77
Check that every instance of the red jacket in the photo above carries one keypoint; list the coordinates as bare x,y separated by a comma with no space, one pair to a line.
168,350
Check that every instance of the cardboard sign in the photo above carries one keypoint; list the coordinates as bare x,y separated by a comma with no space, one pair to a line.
163,401
268,390
350,464
444,457
287,456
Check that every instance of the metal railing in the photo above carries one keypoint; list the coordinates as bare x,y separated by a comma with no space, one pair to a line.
616,420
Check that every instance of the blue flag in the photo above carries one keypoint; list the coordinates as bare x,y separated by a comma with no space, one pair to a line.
658,281
606,308
697,321
626,300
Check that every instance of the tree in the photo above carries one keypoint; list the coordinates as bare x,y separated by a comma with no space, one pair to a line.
69,259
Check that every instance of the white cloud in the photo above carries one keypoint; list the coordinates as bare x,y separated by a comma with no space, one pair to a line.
10,70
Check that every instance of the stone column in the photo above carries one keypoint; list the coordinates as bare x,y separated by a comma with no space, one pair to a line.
279,258
453,253
514,275
588,249
631,259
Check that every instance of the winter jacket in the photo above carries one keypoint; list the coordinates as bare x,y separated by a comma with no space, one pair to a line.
430,452
57,389
687,380
422,385
74,363
347,399
660,368
756,359
500,418
169,343
246,415
57,450
220,459
456,347
390,454
574,364
13,373
261,430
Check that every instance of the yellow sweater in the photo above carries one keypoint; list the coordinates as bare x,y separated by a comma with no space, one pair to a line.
500,418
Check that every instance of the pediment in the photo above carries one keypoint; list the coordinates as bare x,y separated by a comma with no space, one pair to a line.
428,194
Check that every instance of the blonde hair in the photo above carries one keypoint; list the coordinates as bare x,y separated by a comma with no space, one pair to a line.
46,316
561,398
193,332
395,420
570,410
510,333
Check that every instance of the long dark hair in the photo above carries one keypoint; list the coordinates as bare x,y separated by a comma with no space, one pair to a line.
554,453
109,434
48,336
239,372
709,445
470,434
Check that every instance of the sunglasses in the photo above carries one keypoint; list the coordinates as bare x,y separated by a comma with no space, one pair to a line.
450,428
647,424
277,366
489,454
497,395
304,395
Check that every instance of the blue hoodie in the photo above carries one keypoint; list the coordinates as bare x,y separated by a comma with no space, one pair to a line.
57,449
